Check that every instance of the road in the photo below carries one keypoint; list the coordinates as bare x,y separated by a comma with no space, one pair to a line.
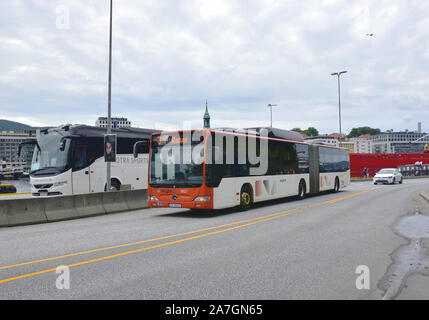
287,249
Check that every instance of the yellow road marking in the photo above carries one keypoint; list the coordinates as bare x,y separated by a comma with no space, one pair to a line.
254,221
139,242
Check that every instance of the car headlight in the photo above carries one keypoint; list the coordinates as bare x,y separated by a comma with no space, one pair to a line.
202,198
153,198
60,183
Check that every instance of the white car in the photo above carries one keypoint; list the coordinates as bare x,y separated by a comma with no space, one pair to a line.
388,176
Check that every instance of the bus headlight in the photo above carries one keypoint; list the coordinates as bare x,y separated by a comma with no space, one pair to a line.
153,198
202,198
60,183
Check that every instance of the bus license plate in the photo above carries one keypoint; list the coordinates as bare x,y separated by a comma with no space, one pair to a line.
174,205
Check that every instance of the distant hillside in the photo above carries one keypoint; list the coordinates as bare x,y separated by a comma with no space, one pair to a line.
6,125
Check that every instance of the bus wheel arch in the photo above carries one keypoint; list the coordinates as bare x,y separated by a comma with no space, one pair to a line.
246,196
115,184
302,189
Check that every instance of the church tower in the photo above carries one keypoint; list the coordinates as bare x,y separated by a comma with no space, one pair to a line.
206,118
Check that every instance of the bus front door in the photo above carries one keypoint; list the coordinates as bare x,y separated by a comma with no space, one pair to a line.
81,171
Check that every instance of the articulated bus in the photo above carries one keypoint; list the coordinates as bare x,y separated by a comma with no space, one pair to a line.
214,179
70,160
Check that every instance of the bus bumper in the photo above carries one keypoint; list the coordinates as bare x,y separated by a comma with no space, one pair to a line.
186,205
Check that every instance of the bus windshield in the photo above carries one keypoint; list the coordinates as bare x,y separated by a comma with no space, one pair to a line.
176,165
48,157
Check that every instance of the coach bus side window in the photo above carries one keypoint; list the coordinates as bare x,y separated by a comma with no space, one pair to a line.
79,158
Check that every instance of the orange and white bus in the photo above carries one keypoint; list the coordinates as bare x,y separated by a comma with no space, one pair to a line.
216,168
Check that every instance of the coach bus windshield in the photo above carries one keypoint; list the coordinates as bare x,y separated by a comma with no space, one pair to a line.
176,164
49,157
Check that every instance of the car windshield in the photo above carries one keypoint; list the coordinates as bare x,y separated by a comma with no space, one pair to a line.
48,157
387,171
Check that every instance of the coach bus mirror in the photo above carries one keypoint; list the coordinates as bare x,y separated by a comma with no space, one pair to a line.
33,142
63,141
62,145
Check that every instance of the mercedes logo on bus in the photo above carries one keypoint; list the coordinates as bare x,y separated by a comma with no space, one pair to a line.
174,197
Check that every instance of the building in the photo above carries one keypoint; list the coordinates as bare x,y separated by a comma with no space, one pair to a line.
333,140
399,142
206,118
323,139
363,144
120,122
9,146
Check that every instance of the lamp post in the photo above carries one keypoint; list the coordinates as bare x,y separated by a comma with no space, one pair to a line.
109,103
338,74
271,113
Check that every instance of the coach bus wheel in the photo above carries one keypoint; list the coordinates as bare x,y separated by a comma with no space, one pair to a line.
115,185
301,190
245,198
337,185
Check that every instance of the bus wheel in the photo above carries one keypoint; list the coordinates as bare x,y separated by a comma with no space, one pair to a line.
245,198
337,185
301,190
115,185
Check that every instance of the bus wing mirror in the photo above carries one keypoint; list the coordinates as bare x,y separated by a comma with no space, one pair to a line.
32,142
63,141
137,145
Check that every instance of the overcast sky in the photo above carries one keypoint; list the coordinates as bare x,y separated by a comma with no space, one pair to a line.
170,56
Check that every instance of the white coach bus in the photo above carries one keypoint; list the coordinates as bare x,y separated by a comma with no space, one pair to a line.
70,160
294,168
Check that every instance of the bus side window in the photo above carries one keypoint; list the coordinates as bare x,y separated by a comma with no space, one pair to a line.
80,158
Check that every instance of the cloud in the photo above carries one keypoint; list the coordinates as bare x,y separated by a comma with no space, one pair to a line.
170,56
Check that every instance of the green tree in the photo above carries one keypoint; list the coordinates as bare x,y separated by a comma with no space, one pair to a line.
356,132
311,131
297,130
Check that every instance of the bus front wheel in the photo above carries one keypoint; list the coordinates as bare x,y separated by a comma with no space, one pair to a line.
115,185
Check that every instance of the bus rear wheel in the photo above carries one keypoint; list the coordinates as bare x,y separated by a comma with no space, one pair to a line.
337,185
245,198
301,190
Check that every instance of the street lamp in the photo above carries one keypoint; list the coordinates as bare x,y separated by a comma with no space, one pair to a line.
338,74
109,103
271,113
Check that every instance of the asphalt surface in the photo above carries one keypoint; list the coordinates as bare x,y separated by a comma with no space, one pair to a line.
287,249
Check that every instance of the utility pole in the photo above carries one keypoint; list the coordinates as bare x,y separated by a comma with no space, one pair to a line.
338,74
109,106
271,113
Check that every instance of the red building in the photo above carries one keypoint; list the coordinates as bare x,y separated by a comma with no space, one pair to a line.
376,161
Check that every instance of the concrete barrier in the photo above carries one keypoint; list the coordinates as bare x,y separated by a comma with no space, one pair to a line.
136,200
89,204
25,211
60,208
39,210
114,201
3,216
